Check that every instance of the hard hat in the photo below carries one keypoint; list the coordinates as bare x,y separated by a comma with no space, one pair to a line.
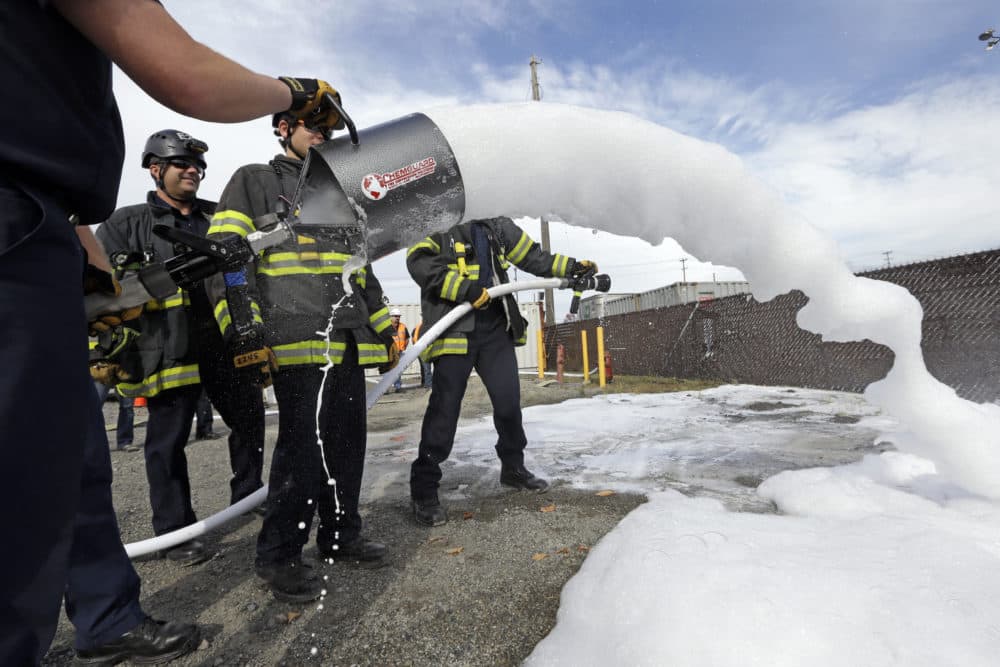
395,311
166,144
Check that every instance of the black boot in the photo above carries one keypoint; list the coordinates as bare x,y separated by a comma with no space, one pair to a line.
292,581
187,553
359,549
429,512
149,643
520,477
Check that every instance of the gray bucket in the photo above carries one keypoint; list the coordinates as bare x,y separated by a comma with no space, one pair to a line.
397,184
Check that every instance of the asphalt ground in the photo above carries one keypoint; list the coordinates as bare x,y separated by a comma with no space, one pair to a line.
480,590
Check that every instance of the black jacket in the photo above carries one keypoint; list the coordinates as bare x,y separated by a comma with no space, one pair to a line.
164,356
446,268
295,285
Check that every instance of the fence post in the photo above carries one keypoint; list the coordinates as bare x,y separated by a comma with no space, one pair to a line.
541,354
600,357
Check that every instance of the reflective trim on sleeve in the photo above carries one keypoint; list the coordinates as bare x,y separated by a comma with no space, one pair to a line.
560,265
427,244
231,221
379,320
520,250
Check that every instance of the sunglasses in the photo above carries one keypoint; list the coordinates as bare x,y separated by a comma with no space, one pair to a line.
184,164
323,130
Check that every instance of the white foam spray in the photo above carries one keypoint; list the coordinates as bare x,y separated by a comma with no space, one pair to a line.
618,173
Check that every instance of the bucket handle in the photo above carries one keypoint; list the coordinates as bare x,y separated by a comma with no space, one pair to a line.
332,101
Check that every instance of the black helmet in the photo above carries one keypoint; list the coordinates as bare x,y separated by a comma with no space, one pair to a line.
166,144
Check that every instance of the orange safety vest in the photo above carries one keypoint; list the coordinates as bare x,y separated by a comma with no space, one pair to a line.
400,337
415,335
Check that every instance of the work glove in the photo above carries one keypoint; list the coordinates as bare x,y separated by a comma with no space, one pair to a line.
393,359
308,104
254,360
582,267
482,300
110,360
97,281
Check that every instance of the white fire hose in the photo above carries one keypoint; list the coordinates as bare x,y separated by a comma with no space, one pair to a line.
199,528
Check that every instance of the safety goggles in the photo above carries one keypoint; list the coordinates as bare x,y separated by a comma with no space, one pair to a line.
317,128
185,163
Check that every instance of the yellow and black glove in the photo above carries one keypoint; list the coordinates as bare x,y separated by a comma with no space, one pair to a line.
98,281
254,360
482,300
309,105
583,267
112,356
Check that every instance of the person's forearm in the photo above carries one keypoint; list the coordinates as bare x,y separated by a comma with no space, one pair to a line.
201,83
95,252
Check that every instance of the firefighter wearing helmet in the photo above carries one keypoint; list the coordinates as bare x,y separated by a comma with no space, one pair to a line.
179,350
290,317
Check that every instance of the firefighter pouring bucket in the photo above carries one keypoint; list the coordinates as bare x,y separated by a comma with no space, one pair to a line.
395,184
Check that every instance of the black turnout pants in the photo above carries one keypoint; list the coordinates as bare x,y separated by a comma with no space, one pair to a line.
299,484
491,353
241,406
171,412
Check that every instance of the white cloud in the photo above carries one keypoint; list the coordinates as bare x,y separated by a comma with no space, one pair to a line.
914,174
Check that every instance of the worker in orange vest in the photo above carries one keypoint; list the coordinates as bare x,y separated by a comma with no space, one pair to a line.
426,371
402,338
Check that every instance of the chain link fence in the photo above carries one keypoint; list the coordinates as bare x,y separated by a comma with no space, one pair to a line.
738,339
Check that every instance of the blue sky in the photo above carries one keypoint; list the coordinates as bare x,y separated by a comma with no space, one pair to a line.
876,121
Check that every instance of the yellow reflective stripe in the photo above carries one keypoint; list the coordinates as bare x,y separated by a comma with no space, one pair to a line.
372,353
380,320
232,222
298,263
91,344
452,285
471,272
308,352
442,346
460,253
427,244
222,315
179,299
224,319
170,378
560,265
520,250
278,257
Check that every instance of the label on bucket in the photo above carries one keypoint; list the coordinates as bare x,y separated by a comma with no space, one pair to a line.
375,186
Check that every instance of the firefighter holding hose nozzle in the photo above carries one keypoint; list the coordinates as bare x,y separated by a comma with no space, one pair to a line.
457,266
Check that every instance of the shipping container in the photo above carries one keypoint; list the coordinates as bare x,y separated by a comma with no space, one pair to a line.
604,305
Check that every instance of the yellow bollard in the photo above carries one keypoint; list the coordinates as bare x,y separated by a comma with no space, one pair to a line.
600,357
586,360
541,355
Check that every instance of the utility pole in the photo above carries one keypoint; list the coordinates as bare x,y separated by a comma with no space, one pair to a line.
684,273
888,258
536,95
